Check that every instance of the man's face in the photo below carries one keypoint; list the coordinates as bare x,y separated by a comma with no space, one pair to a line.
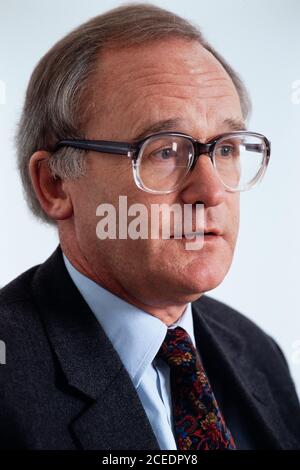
134,88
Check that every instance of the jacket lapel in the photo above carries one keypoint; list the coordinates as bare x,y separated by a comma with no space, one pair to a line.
228,351
114,417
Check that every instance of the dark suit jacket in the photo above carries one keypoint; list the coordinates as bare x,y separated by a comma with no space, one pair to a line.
65,387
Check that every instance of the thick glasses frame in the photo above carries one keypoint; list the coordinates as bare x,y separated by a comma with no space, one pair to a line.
132,151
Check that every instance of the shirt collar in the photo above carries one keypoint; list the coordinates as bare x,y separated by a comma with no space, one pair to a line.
135,334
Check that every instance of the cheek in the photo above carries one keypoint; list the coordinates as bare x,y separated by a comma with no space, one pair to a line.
103,184
233,219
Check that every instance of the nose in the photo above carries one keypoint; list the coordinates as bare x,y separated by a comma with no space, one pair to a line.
202,184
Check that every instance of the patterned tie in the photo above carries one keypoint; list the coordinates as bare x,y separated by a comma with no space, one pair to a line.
199,424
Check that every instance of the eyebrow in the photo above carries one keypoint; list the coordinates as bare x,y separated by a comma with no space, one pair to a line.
173,123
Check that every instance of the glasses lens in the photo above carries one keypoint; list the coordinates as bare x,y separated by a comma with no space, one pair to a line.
164,161
240,160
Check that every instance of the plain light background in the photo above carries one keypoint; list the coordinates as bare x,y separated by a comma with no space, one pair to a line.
261,40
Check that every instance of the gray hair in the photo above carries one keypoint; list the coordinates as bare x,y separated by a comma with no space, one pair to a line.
58,86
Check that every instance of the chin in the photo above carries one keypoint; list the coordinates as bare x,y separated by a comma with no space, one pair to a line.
203,275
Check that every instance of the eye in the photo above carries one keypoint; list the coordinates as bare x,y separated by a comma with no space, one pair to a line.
226,150
166,153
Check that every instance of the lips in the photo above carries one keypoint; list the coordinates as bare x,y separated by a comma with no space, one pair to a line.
200,232
212,231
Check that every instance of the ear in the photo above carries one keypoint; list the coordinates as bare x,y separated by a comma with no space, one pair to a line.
51,191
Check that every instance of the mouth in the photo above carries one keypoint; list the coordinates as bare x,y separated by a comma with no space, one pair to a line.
207,234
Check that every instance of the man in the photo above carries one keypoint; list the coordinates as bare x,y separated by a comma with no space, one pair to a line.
112,343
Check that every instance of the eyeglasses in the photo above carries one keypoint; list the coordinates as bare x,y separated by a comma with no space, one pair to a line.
161,162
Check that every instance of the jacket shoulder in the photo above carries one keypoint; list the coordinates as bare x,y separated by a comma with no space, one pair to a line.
17,308
259,341
18,289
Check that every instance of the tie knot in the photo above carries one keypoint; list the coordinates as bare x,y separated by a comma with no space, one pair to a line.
177,350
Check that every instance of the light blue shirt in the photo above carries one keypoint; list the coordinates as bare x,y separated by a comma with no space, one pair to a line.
137,336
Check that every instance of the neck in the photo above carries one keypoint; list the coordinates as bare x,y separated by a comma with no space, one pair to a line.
167,313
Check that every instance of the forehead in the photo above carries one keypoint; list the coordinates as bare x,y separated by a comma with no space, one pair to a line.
163,79
167,54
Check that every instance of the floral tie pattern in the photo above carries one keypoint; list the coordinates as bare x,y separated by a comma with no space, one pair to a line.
198,422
